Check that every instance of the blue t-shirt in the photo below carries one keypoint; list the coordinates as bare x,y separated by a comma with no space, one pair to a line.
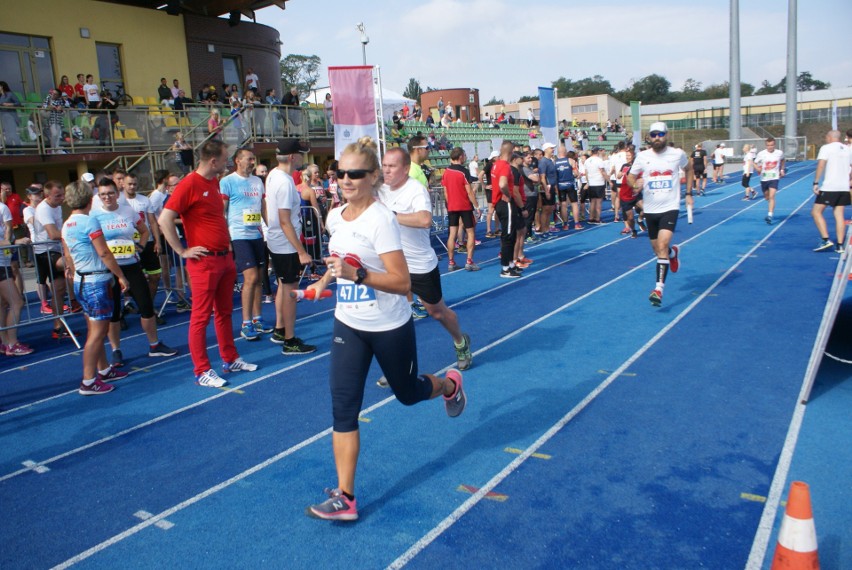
244,196
547,170
119,229
78,231
564,173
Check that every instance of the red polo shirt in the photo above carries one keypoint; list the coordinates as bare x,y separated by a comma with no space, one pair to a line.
199,204
501,168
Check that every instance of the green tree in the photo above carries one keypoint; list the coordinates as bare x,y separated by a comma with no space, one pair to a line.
495,101
301,71
804,82
766,88
413,91
527,98
649,89
595,85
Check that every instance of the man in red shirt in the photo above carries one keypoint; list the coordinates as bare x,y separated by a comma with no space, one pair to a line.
461,201
507,212
209,261
9,197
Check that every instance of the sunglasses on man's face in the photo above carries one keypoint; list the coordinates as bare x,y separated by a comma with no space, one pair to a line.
657,134
354,174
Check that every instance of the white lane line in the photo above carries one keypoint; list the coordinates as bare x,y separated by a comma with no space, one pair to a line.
162,523
482,492
457,514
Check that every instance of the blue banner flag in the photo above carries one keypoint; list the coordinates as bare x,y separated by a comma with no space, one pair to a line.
547,115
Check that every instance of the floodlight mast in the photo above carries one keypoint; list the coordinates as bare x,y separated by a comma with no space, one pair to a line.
365,39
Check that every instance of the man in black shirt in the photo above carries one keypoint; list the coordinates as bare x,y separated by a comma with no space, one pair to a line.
698,162
164,93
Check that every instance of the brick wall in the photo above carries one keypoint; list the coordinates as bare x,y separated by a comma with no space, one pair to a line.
256,45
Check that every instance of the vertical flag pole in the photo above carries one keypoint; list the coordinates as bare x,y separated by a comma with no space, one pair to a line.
380,113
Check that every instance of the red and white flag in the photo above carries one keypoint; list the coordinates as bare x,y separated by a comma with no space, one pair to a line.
354,107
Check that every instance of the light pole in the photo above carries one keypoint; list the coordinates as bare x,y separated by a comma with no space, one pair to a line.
364,40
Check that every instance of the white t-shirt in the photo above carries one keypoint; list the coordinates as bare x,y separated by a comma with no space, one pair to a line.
251,80
718,156
771,164
5,218
281,194
97,203
473,168
411,198
92,91
29,219
373,233
593,171
44,215
661,174
618,160
142,205
838,161
748,161
157,198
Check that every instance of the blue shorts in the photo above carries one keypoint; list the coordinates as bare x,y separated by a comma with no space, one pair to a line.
95,297
249,253
765,185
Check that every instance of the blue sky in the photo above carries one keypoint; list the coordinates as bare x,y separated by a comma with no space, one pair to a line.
507,49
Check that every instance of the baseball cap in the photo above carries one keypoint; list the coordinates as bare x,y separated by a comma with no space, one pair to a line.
34,190
722,144
291,146
494,154
88,177
659,126
546,146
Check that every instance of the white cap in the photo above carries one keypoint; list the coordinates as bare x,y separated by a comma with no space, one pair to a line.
88,177
494,154
659,126
721,144
546,146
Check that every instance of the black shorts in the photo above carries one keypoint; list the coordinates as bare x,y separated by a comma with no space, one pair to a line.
150,261
531,205
661,221
249,253
569,193
629,205
746,180
699,172
427,286
287,267
832,199
466,217
766,185
46,267
139,291
597,192
545,201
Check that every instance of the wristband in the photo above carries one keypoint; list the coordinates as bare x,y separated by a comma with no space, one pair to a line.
816,183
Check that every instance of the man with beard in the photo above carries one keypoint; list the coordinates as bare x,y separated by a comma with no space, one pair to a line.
656,172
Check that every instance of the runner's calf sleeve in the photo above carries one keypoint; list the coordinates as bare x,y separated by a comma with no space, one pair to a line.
662,270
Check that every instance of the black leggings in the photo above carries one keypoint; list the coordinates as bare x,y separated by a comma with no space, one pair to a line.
138,290
508,215
351,355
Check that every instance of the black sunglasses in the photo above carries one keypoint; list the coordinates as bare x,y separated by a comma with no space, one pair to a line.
354,174
657,134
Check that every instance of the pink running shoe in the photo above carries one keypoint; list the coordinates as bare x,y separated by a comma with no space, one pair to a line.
96,389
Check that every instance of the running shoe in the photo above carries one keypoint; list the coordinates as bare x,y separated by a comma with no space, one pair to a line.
674,261
510,273
453,266
768,220
498,233
530,240
521,264
578,226
129,308
461,248
477,242
210,380
625,231
60,333
295,347
471,266
382,382
117,358
526,260
277,337
634,235
46,309
238,288
238,365
113,374
267,299
76,307
457,401
656,297
642,226
463,355
17,349
489,234
338,507
183,307
162,349
554,230
260,327
96,389
824,245
837,249
418,311
248,332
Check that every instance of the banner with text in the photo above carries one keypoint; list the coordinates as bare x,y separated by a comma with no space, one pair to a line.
354,108
547,115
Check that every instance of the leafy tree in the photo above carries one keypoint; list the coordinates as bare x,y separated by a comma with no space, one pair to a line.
595,85
804,82
495,101
649,89
691,86
301,71
526,98
413,91
766,88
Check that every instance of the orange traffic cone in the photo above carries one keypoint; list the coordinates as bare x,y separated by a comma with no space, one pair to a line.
797,543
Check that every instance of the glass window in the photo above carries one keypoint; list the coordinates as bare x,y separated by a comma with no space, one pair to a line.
109,66
26,69
40,42
231,67
14,40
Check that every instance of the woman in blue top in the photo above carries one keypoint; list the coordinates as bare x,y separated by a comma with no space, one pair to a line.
89,261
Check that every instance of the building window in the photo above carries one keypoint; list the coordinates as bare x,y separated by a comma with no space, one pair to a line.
109,67
577,109
26,64
231,65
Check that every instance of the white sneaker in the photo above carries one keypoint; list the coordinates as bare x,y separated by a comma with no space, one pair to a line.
238,364
210,380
